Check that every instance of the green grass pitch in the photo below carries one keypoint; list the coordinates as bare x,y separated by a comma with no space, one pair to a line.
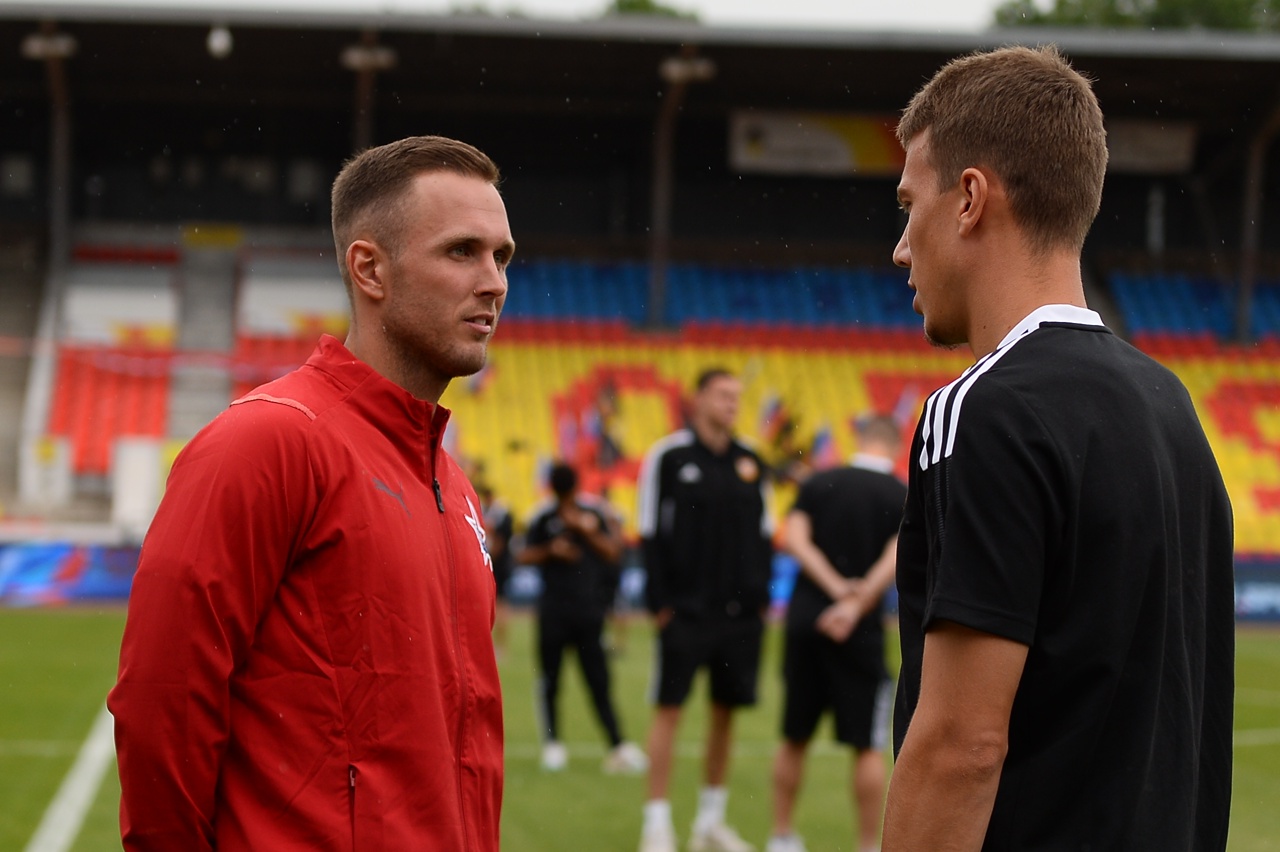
56,666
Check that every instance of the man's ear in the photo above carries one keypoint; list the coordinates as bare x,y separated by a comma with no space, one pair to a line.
365,264
975,190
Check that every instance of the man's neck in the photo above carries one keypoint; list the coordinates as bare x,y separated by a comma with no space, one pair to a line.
1014,291
372,350
713,438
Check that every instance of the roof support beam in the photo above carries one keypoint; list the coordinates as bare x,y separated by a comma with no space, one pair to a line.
54,48
678,72
1251,223
366,59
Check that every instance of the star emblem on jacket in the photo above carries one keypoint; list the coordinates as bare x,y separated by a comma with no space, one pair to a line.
477,527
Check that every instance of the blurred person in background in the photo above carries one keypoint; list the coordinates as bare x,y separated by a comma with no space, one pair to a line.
843,530
577,548
307,662
706,530
499,529
1066,598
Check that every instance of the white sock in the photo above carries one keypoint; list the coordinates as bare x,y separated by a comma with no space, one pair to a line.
657,815
711,806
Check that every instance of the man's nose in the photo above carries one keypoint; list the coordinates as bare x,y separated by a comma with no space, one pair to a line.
902,252
493,280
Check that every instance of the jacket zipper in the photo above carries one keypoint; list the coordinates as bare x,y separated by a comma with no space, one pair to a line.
457,650
351,800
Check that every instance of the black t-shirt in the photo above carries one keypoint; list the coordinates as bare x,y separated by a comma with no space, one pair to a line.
1063,495
705,527
498,520
853,513
584,586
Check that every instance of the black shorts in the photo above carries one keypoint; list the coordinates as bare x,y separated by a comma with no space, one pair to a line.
501,576
728,647
849,679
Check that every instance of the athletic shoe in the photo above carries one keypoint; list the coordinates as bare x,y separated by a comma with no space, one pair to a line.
626,759
785,843
718,838
554,756
658,839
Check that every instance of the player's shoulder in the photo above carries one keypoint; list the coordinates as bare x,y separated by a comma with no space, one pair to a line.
745,446
297,399
539,513
673,444
826,480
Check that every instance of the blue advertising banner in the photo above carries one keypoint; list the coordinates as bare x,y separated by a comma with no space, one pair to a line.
1257,588
39,574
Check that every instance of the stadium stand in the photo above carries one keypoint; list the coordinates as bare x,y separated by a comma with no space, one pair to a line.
119,314
774,262
572,375
1190,306
285,301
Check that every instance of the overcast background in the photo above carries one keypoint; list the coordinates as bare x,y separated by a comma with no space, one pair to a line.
935,15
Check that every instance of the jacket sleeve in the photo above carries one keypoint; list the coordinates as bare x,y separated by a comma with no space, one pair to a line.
763,562
220,543
653,539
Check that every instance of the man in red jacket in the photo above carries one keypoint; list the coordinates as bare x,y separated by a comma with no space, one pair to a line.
307,663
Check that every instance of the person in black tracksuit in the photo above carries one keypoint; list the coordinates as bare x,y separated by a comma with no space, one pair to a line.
577,547
708,557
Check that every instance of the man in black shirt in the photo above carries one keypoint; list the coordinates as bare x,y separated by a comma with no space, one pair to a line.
708,557
843,530
1065,558
577,549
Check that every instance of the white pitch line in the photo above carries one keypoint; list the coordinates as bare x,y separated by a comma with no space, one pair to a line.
1257,737
1258,697
61,822
38,748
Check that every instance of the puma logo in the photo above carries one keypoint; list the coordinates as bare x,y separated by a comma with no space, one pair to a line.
399,495
477,527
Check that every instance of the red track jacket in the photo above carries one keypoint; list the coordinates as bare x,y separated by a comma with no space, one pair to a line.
307,663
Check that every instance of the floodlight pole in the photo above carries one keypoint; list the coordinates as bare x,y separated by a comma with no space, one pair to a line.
678,72
1251,223
366,59
54,48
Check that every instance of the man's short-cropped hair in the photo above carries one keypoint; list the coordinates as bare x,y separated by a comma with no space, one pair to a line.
709,375
1030,118
372,185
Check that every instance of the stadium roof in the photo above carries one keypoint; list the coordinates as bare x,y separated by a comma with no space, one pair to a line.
1183,44
539,90
153,53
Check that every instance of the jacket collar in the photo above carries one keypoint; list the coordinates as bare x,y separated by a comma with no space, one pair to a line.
371,390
